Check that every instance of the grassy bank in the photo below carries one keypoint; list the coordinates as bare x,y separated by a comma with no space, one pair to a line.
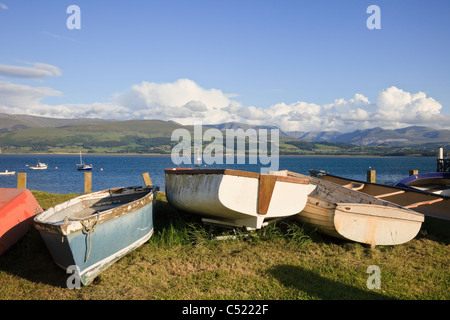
284,261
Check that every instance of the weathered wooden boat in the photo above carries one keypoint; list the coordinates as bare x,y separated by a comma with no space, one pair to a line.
235,198
434,182
435,207
17,209
94,230
351,215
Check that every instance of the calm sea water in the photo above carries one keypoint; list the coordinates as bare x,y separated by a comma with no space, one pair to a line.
121,171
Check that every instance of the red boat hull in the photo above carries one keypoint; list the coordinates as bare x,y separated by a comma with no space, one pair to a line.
17,209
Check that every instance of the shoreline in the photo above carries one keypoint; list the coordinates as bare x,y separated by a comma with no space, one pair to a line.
168,155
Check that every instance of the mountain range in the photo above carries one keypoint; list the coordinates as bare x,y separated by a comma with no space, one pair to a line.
26,133
414,135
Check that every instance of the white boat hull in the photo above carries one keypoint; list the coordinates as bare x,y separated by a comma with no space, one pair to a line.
7,173
238,198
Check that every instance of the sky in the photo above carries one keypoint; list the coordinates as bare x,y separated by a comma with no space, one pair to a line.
299,65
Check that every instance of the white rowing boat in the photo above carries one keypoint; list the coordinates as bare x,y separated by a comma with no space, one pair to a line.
236,198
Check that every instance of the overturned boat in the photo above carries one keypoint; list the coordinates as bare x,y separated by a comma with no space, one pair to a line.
351,215
17,210
94,230
236,198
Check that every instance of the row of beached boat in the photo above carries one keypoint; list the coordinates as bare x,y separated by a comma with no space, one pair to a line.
94,230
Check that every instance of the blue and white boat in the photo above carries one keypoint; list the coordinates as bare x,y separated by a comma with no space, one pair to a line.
82,166
91,232
434,182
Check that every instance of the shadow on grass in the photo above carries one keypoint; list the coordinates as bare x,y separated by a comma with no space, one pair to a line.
318,287
29,259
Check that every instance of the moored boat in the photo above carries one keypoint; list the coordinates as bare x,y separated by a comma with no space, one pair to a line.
94,230
39,166
7,173
17,209
82,166
351,215
235,198
435,207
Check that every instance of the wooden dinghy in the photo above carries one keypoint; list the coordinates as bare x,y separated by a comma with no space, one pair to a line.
351,215
95,230
236,198
17,209
436,208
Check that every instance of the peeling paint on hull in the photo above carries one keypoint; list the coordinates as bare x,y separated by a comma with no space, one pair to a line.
95,241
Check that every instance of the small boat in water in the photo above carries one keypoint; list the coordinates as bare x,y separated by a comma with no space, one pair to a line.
39,166
435,207
85,167
17,209
434,182
235,198
7,173
351,215
94,230
82,166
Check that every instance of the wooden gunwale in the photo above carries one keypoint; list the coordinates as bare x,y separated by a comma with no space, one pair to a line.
70,225
232,172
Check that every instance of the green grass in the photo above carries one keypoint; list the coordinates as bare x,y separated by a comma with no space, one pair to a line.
183,260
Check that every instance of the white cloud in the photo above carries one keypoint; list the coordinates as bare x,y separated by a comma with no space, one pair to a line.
3,6
37,71
18,97
181,101
184,101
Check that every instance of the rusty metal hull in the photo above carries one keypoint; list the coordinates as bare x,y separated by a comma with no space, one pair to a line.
351,215
93,231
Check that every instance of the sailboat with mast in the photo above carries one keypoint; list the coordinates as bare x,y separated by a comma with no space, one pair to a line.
82,166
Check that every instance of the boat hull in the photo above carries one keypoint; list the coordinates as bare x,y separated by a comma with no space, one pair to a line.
94,243
434,207
237,198
351,215
367,224
17,209
7,173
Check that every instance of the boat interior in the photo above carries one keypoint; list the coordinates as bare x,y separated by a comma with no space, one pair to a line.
77,209
422,202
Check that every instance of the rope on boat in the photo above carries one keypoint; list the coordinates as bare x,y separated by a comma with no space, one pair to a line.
88,230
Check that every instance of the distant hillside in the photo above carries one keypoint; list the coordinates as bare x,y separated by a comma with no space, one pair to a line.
415,135
16,122
243,126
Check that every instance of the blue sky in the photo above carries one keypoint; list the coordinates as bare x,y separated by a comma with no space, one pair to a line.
291,63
